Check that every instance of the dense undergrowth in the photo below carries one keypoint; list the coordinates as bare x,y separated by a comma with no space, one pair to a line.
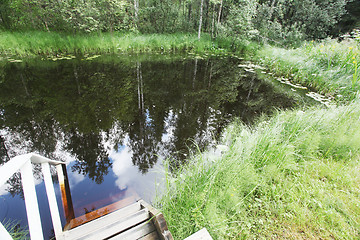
293,176
34,43
330,67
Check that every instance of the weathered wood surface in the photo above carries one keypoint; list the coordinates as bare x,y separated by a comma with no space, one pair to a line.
99,213
203,234
136,221
158,220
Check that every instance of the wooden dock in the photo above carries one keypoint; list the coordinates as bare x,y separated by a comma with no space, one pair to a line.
130,218
138,220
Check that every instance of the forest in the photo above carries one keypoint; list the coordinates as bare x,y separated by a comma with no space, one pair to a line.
274,21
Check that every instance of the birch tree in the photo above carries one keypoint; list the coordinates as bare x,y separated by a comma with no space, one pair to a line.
201,16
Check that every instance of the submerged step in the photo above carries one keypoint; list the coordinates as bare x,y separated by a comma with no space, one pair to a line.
122,218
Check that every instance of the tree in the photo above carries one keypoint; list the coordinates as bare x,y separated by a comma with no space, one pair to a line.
238,21
4,14
284,21
201,16
113,15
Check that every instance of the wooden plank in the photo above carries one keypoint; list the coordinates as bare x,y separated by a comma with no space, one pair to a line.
151,236
65,192
159,221
113,228
100,212
136,232
102,222
203,234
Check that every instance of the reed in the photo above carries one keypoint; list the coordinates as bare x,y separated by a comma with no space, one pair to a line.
33,43
292,176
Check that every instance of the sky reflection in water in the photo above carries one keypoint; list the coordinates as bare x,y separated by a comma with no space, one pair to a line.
116,118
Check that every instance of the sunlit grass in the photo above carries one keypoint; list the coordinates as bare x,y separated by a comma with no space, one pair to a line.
44,43
293,176
330,66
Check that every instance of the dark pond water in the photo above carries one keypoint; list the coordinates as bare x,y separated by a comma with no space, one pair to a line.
114,119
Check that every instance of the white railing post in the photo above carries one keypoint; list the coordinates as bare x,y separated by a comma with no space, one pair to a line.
31,203
55,216
4,234
24,164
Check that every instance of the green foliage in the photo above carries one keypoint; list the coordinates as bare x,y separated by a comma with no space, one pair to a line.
292,176
289,22
275,21
160,17
238,23
81,16
68,15
113,15
4,14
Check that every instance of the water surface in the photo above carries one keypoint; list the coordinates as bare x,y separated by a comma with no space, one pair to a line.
114,119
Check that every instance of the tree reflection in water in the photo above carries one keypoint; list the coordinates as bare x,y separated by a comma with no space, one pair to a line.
162,105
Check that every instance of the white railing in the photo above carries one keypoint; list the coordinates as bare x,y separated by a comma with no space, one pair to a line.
23,163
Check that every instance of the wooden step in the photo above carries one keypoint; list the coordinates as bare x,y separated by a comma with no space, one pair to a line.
138,232
107,225
99,212
203,234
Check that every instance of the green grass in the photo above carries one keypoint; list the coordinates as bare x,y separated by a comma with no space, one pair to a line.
329,67
44,43
293,176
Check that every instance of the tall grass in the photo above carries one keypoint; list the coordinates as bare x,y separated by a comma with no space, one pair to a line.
294,176
329,66
35,43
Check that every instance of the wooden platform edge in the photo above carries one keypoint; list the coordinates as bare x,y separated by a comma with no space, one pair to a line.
202,234
88,217
158,220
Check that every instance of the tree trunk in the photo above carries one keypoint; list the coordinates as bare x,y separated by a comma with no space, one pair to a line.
220,9
136,7
46,26
195,71
189,13
213,23
200,20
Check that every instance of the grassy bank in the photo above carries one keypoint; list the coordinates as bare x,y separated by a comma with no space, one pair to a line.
330,67
51,43
294,176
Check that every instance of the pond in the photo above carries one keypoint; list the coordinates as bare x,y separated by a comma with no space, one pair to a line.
115,118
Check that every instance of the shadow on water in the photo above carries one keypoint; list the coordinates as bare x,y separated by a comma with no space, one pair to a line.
145,108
